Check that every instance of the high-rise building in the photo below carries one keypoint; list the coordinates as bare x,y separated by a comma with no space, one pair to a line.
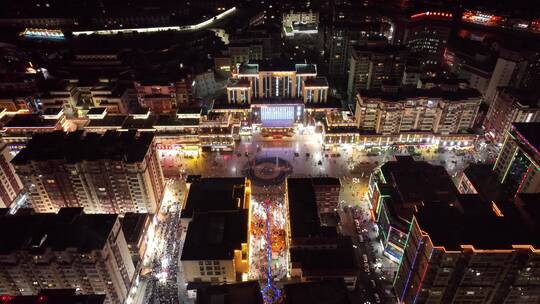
67,250
428,34
509,67
10,184
517,165
450,247
277,79
115,172
509,106
371,66
430,110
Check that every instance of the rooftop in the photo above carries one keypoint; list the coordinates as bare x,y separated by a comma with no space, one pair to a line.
529,133
524,97
316,82
338,259
327,291
303,213
74,147
236,293
436,92
30,121
215,235
214,194
418,182
133,225
416,188
96,111
69,228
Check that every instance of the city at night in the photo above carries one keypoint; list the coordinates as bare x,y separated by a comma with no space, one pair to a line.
270,152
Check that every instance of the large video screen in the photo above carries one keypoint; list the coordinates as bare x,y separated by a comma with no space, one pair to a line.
277,116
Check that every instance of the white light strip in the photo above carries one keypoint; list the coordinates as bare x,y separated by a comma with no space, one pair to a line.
158,29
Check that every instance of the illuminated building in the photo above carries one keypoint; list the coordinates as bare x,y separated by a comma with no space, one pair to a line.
517,165
10,184
164,93
295,23
135,228
394,194
274,79
47,34
217,131
245,52
371,66
505,72
316,250
67,250
454,247
114,172
18,101
19,128
340,128
435,110
428,33
510,106
216,246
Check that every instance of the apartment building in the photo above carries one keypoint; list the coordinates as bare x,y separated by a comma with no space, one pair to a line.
517,165
114,172
428,110
509,106
450,247
10,184
372,65
66,250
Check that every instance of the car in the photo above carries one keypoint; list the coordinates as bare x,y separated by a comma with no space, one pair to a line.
307,154
246,154
296,154
377,298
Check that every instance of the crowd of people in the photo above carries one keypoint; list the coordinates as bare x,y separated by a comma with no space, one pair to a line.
259,258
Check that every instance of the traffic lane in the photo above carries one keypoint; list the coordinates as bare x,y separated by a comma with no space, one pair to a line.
365,287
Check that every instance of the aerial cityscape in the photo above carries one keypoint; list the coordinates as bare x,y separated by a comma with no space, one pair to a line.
269,152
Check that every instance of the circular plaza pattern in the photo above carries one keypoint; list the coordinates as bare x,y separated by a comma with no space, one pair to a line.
268,170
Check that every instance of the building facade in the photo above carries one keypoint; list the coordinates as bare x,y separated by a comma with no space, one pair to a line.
428,34
277,80
510,106
10,184
371,66
67,250
103,173
517,164
427,110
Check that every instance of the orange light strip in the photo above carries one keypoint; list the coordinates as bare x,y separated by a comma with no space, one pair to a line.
496,209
